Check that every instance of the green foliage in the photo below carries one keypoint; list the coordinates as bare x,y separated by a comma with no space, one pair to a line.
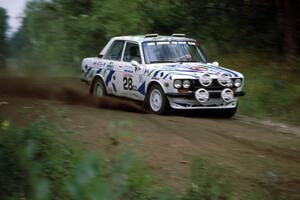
38,163
3,29
33,163
272,89
56,35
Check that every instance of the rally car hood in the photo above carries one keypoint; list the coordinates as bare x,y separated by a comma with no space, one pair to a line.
188,70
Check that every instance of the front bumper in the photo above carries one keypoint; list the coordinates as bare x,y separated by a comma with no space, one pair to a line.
212,94
188,101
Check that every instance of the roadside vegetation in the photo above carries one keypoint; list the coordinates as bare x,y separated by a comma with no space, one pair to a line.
42,162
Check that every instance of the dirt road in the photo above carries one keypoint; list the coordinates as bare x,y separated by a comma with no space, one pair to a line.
247,150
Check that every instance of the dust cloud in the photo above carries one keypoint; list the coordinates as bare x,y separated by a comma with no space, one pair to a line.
67,90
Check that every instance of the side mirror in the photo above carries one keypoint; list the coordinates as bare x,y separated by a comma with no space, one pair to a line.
216,63
136,65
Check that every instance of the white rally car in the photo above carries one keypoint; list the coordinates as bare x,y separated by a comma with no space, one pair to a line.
163,71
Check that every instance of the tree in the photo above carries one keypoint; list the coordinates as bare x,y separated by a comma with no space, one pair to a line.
289,27
3,29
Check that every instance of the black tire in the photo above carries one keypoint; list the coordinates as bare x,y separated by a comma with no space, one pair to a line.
97,84
164,105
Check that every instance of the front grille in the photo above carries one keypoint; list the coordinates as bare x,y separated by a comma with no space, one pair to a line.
215,85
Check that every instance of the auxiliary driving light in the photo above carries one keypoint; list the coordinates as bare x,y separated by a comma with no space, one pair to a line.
202,95
224,79
227,95
205,80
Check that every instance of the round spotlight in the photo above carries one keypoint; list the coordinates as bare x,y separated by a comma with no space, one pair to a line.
186,84
224,79
205,80
177,84
238,83
227,95
202,95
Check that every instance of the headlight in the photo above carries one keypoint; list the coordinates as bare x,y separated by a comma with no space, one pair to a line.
224,79
238,83
186,84
177,84
205,80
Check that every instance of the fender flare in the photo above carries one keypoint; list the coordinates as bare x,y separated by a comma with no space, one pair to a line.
152,82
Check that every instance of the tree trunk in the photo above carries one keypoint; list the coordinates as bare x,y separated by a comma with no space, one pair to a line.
289,28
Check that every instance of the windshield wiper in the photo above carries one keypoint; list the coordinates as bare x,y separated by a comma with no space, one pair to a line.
185,61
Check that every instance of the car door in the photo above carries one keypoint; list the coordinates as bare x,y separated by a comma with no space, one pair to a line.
132,74
110,67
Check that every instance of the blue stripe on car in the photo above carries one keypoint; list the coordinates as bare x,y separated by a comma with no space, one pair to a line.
87,72
229,71
155,74
114,86
166,76
142,89
108,79
98,71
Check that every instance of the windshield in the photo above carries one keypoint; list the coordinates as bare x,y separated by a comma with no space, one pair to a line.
173,51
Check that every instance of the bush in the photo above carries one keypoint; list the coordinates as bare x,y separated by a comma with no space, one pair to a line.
207,182
36,163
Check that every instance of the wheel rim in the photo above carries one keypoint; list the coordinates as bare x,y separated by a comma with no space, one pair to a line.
98,90
155,100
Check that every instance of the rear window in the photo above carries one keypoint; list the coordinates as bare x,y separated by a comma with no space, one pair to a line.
115,51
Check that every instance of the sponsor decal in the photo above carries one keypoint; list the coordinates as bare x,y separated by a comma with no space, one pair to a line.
110,66
141,78
128,75
128,71
199,68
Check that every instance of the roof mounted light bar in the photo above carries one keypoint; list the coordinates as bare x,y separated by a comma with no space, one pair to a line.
178,35
151,35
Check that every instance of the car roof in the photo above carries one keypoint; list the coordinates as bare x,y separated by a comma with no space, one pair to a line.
143,38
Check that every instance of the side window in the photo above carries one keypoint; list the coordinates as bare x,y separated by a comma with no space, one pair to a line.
115,51
132,52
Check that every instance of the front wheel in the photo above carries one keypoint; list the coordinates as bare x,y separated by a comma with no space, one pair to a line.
157,100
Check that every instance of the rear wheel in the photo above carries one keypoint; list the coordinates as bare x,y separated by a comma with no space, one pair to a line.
157,100
98,88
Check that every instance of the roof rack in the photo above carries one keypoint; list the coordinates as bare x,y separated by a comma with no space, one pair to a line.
151,35
178,35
